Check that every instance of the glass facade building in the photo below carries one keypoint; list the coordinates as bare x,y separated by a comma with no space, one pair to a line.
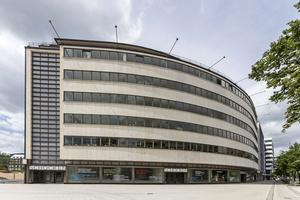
102,112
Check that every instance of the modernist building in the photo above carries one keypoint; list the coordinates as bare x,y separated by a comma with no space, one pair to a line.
15,162
105,112
269,157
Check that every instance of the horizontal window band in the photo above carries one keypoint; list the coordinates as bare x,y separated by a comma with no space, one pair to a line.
151,81
129,57
155,123
154,144
148,101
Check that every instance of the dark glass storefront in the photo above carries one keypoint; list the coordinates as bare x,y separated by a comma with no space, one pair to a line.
199,176
148,175
94,174
116,175
84,174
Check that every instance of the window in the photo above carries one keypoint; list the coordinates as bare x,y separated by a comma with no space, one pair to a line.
104,76
122,78
156,82
139,79
86,141
114,142
95,97
131,99
77,140
68,140
104,98
96,54
113,77
156,62
156,102
148,101
105,142
147,60
77,75
104,55
139,59
164,83
113,98
113,56
114,120
87,54
171,65
104,119
77,53
96,76
131,121
68,96
87,119
86,97
131,142
148,122
139,121
172,85
68,52
165,144
148,81
122,98
68,74
95,119
95,141
131,78
86,75
140,100
140,143
172,145
122,120
77,119
122,56
130,57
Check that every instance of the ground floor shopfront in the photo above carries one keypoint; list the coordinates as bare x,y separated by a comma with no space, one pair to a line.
137,174
107,174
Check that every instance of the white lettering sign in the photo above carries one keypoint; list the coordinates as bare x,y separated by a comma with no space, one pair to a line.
34,167
175,170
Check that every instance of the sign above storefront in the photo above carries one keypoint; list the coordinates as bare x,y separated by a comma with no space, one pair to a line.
56,168
175,170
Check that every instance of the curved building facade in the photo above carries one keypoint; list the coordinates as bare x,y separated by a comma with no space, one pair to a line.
129,114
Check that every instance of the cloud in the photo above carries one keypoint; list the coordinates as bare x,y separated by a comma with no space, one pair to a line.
11,142
12,121
12,72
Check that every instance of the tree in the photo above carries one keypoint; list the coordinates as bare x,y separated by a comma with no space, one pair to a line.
4,159
279,68
289,161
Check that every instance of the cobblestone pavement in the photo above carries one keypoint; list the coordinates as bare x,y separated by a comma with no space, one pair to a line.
238,191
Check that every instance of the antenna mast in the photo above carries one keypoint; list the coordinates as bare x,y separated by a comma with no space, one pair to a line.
116,27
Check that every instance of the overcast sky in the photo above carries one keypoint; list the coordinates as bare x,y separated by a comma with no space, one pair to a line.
207,31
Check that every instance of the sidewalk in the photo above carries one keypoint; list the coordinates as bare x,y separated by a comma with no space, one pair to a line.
283,192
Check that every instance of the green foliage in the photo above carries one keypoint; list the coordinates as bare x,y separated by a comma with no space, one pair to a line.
289,161
279,68
273,174
4,159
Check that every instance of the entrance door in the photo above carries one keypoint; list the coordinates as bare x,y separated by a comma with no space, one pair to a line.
243,177
42,177
175,178
59,177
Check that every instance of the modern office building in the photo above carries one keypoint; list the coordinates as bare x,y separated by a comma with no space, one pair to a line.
15,163
105,112
269,157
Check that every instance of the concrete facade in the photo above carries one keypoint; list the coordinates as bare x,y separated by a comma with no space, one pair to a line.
241,143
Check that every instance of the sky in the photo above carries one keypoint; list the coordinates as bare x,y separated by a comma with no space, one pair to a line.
207,30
